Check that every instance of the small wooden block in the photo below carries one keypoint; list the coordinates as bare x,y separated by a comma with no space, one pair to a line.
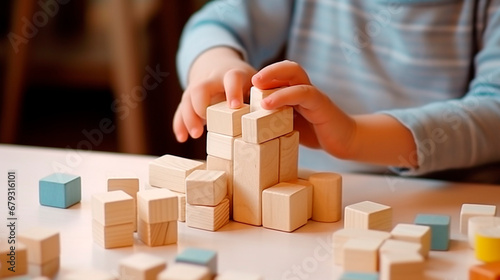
255,169
114,236
130,186
440,230
414,233
141,266
113,208
368,215
206,187
487,242
261,126
474,210
476,223
157,206
489,271
200,257
238,275
184,271
309,188
284,207
401,266
327,197
181,199
215,163
256,96
224,120
19,253
219,145
48,269
158,234
60,190
289,156
88,274
340,237
170,172
391,245
359,276
42,244
208,217
361,255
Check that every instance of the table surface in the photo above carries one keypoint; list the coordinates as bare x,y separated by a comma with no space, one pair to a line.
303,254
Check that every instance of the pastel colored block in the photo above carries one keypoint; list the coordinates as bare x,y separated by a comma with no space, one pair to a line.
401,266
206,187
368,215
440,230
489,271
476,223
359,276
224,120
184,271
171,171
361,255
60,190
289,156
42,244
487,242
115,236
327,197
256,96
262,125
239,275
202,257
284,207
219,145
19,252
141,266
209,218
113,208
216,163
157,234
342,236
414,233
157,206
473,210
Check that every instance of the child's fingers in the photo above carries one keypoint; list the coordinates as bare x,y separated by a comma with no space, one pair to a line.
179,127
284,73
201,96
193,122
235,82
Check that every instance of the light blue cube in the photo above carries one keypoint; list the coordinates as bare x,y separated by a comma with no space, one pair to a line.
358,276
202,257
440,230
60,190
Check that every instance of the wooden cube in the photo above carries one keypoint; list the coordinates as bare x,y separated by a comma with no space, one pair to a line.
239,275
487,243
327,197
208,217
115,236
474,210
185,271
256,96
130,186
401,266
368,215
113,208
340,238
289,156
141,266
414,233
157,206
11,252
309,188
60,190
400,246
42,244
261,126
206,187
359,276
361,255
157,234
201,257
489,271
224,120
440,230
219,145
215,163
476,223
170,172
284,207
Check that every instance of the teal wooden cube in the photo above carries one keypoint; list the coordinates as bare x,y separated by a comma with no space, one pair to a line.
359,276
60,190
440,230
207,258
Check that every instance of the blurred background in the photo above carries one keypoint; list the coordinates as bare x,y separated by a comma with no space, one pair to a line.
93,74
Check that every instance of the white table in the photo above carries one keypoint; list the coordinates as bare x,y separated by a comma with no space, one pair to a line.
303,254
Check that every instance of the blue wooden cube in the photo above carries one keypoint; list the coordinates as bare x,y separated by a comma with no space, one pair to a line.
440,230
60,190
359,276
207,258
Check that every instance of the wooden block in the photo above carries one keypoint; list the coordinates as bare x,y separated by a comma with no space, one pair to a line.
361,255
88,274
327,197
401,266
440,230
489,271
255,169
181,202
113,208
309,188
284,207
261,126
60,190
219,145
141,266
368,215
476,223
391,245
359,276
170,172
474,210
487,244
184,271
215,163
256,96
201,257
157,206
115,236
157,234
289,156
239,275
13,259
130,186
224,120
206,187
48,269
414,233
42,244
340,237
208,217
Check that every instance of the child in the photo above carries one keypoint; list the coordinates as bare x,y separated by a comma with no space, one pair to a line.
413,85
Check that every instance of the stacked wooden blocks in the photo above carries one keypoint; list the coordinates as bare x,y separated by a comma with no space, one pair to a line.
170,172
20,264
440,230
43,250
368,215
130,186
60,190
141,266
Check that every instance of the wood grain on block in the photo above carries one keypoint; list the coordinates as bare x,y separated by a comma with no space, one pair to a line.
476,223
42,244
220,145
414,233
208,217
239,275
361,255
474,210
115,236
88,274
489,271
255,169
309,188
392,245
206,187
157,234
289,156
157,206
181,202
327,197
368,215
215,163
261,126
487,243
184,271
129,186
256,96
198,256
113,208
141,266
21,259
340,237
440,229
170,172
401,266
224,120
284,207
48,269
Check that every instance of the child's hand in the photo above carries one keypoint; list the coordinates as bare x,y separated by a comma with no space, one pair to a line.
216,75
